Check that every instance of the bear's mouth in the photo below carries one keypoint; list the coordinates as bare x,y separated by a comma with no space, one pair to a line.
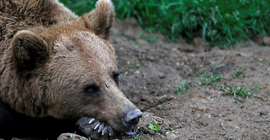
130,132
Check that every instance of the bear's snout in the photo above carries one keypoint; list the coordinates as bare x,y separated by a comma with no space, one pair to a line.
131,120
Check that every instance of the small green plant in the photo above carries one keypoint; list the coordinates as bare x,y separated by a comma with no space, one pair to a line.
153,127
114,32
149,38
135,137
138,65
170,131
218,66
131,67
184,86
239,90
233,134
138,46
239,72
264,62
209,79
258,86
199,74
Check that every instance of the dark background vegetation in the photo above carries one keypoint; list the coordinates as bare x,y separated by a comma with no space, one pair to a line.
219,22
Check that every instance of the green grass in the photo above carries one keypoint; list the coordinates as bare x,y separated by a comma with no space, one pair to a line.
135,137
170,131
149,38
220,22
184,86
240,90
79,6
131,67
218,66
239,73
209,79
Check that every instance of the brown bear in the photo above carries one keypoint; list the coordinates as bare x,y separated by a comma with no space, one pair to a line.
58,73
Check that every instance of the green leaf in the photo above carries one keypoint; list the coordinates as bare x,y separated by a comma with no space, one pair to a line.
170,131
218,66
153,127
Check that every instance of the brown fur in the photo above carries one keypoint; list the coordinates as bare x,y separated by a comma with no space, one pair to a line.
48,54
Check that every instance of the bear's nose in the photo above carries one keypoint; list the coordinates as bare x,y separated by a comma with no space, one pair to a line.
132,118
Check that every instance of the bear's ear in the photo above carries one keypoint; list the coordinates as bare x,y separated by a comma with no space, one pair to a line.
29,50
100,20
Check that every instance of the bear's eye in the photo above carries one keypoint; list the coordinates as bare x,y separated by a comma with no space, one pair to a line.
116,77
91,89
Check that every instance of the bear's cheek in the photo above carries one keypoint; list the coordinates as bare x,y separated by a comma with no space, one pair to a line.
105,108
85,106
98,107
72,106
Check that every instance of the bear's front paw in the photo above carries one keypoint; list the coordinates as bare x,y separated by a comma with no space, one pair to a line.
95,129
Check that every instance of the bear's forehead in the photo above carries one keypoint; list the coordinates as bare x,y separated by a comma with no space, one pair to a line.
88,47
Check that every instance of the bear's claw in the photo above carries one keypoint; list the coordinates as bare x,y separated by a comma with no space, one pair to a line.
101,127
92,120
95,129
95,125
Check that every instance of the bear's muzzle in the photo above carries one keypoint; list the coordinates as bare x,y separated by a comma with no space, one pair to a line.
131,120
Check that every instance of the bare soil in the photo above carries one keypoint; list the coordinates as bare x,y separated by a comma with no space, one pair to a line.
151,71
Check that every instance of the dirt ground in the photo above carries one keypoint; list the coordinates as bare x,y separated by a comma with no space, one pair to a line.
151,71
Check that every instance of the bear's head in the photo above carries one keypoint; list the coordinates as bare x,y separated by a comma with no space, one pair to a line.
69,71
